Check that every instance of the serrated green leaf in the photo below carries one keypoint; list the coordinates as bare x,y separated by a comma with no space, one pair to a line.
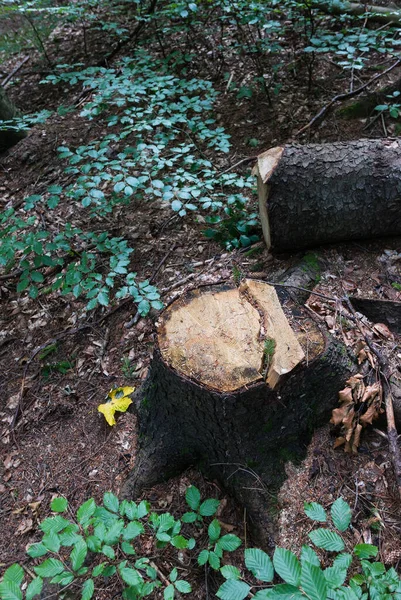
183,586
230,572
326,539
192,496
54,524
86,511
127,548
142,509
113,533
178,541
335,577
309,555
287,566
233,589
168,593
109,552
51,541
189,517
15,574
209,507
49,568
37,550
78,554
59,504
214,560
214,530
34,588
9,590
98,570
282,591
341,514
365,551
111,502
313,582
342,561
173,575
88,589
131,576
229,542
203,557
259,564
315,511
132,530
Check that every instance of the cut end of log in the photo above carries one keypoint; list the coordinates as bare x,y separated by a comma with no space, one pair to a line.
227,338
263,170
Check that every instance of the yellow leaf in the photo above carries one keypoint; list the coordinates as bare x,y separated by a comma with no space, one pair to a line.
119,400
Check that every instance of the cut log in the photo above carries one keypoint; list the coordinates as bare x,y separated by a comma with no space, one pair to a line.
324,193
372,12
380,311
236,387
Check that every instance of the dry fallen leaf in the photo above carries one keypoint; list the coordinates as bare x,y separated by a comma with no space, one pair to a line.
383,331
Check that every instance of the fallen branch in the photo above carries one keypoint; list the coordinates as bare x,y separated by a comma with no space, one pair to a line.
340,97
6,81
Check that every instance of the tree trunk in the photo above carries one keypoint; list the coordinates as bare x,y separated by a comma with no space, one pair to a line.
324,193
237,391
8,137
373,12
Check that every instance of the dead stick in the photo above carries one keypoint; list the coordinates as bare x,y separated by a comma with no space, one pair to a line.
14,72
345,96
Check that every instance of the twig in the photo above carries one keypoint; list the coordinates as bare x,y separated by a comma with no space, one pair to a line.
5,81
302,289
322,112
240,162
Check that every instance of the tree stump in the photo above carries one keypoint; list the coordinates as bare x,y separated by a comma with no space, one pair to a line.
236,386
324,193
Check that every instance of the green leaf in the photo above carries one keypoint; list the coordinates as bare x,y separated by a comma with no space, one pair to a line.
54,524
365,551
168,593
34,588
37,550
342,561
203,557
85,511
88,589
14,574
229,542
192,496
59,505
98,570
335,577
313,582
309,555
142,509
113,533
37,277
111,502
127,548
287,566
9,590
282,591
326,539
78,554
233,589
131,576
315,512
49,568
133,529
188,517
230,572
94,543
214,530
259,564
183,586
109,552
51,541
214,560
173,575
178,541
341,514
209,507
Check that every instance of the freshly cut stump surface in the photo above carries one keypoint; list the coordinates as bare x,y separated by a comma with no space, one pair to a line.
236,386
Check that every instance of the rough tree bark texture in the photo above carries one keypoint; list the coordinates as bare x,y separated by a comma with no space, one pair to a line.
322,193
8,111
193,411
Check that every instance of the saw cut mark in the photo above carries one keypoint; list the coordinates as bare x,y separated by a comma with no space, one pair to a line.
215,336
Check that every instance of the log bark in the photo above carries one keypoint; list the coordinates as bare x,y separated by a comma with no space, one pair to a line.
324,193
379,14
215,397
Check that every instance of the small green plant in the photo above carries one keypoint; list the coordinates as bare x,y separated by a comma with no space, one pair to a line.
392,108
127,368
268,352
237,274
304,577
396,286
105,541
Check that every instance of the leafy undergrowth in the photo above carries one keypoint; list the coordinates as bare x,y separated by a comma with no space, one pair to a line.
92,239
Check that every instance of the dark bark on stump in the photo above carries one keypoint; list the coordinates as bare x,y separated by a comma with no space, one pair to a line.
325,193
8,111
241,438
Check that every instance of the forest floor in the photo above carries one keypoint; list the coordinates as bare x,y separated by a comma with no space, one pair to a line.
54,441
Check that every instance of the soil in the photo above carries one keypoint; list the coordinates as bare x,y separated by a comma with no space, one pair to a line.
53,439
